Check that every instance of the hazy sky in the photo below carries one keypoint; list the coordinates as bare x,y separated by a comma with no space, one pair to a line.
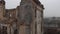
52,7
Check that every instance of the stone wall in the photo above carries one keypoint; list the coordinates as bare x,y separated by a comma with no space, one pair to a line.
26,18
2,8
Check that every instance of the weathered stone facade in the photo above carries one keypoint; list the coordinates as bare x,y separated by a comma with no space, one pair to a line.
25,19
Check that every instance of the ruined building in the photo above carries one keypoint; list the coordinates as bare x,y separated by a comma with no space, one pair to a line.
27,18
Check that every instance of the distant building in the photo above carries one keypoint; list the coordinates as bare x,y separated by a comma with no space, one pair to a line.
52,25
25,19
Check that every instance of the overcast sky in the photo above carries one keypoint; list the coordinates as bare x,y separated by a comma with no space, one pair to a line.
52,7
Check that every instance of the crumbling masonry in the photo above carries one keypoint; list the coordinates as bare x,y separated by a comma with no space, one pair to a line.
27,18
